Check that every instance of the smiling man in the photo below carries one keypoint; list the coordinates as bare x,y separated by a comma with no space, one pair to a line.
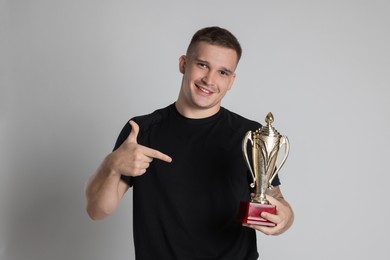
208,73
185,166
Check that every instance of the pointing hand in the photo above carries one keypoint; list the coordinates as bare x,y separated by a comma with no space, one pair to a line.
131,158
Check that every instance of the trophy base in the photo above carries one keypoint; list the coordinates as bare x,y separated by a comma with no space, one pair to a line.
250,213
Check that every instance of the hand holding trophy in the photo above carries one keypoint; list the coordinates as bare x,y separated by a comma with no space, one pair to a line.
266,143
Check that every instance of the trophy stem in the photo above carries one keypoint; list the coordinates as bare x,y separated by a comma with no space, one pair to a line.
260,198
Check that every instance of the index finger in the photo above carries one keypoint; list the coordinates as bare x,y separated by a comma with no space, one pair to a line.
152,153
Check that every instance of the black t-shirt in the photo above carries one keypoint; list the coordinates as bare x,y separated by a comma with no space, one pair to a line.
187,209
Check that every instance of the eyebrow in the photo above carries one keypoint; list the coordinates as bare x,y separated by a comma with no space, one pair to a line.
222,68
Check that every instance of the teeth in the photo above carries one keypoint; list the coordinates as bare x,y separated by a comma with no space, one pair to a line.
204,90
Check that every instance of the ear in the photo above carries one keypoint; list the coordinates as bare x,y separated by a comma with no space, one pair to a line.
182,64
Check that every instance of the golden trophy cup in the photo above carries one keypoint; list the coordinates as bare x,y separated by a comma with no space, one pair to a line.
266,143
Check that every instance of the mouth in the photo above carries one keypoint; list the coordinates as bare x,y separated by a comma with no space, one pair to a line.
204,90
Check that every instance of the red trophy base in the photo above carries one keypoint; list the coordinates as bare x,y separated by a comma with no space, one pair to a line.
250,213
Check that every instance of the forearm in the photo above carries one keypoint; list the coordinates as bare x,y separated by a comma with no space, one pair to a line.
103,192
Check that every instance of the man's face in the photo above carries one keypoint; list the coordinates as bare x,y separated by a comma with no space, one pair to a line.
208,73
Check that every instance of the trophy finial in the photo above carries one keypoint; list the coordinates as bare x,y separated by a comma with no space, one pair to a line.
269,119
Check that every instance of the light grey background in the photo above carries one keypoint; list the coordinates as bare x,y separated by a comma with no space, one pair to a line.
73,72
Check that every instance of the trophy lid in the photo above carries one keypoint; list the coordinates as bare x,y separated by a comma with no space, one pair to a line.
268,129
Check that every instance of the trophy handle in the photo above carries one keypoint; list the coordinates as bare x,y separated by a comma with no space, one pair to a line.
248,137
283,141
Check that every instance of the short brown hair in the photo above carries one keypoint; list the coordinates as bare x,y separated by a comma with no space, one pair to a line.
216,36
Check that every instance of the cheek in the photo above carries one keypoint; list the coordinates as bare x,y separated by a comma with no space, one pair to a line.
227,85
188,77
190,74
196,75
230,84
223,92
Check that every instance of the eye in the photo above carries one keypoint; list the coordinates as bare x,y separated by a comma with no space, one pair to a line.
224,73
202,65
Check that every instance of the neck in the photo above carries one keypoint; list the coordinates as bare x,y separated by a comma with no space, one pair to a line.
195,113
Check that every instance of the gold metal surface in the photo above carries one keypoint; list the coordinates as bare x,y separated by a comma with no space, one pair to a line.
266,143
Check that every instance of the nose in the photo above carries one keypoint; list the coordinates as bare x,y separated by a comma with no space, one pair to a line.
209,78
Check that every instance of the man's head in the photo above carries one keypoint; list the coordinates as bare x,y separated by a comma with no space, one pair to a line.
208,71
215,36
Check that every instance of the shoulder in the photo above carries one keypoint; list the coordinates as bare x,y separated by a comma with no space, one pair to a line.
149,120
145,123
236,121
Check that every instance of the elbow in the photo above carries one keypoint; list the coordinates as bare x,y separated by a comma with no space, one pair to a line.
97,213
93,215
96,209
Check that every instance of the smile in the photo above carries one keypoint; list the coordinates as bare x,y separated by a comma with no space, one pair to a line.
206,91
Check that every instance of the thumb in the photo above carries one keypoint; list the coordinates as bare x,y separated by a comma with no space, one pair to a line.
132,138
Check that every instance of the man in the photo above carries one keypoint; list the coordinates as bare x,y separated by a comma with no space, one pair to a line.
185,166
